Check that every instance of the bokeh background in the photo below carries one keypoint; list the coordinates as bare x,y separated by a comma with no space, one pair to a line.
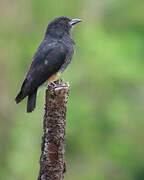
105,116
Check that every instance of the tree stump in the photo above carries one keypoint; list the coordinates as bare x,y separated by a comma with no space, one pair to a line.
52,160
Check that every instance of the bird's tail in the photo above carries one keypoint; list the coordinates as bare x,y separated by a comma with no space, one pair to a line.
19,97
31,102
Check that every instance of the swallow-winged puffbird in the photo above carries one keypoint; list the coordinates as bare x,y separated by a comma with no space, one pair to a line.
50,60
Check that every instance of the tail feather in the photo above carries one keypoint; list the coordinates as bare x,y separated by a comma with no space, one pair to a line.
19,97
22,94
31,102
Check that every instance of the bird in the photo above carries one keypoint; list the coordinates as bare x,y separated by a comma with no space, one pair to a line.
52,57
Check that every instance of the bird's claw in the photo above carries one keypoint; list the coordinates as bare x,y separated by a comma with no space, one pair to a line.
56,85
53,83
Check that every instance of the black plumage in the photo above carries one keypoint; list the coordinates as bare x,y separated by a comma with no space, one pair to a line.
52,57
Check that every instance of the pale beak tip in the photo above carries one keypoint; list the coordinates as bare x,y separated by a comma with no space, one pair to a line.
75,21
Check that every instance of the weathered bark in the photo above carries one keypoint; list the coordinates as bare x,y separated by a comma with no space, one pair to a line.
52,160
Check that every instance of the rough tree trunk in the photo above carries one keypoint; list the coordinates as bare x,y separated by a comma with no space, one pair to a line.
52,160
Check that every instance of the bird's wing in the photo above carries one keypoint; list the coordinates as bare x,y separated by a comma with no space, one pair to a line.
46,62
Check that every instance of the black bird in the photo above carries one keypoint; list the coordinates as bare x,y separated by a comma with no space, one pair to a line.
50,60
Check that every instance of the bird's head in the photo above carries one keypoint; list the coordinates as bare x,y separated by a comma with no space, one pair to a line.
61,26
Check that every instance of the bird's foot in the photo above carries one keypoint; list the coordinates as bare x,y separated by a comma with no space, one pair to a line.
53,84
57,83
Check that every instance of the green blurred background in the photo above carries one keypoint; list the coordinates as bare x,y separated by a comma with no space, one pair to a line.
105,117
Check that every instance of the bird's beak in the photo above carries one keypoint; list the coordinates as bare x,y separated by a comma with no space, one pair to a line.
75,21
